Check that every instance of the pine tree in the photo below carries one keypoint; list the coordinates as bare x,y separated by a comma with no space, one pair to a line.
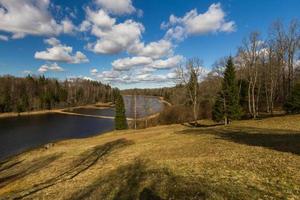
218,109
293,102
229,96
120,117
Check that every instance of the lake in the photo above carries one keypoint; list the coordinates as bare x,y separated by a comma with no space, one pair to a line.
18,134
145,106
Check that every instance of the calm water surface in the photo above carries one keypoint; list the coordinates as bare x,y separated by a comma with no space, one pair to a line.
145,106
21,133
18,134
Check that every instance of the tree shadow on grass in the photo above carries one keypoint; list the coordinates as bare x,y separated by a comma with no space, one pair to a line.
279,140
135,181
14,171
86,160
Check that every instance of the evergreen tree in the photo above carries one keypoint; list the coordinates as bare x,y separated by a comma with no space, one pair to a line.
293,102
218,109
120,117
229,96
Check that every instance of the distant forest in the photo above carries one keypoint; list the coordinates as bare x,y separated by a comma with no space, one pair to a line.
39,93
267,73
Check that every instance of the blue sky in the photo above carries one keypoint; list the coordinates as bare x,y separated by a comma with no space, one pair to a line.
127,43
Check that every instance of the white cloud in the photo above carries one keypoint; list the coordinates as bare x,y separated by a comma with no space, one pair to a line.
128,63
30,17
139,69
87,78
94,72
52,67
213,20
60,53
168,63
153,49
99,18
113,38
147,63
119,38
27,72
108,76
115,77
118,7
4,37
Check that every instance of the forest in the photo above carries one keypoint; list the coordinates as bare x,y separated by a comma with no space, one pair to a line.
40,93
266,76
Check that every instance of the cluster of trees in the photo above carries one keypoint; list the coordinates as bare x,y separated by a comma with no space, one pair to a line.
38,93
263,77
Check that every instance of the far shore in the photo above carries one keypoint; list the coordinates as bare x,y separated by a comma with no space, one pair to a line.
60,110
94,106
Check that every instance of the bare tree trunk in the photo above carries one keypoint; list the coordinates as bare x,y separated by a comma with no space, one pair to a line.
249,99
253,101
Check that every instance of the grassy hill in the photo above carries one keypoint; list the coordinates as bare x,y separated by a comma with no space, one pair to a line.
245,160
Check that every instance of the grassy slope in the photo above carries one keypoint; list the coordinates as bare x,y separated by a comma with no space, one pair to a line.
246,160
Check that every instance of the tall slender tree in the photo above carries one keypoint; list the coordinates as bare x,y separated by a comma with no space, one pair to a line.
120,117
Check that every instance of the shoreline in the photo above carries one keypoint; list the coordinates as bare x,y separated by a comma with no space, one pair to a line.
59,110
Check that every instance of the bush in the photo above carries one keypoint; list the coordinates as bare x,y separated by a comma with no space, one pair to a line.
175,115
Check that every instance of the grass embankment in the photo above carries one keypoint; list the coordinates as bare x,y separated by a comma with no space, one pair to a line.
246,160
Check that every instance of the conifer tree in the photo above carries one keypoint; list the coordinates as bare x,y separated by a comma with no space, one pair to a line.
120,117
229,96
293,102
218,109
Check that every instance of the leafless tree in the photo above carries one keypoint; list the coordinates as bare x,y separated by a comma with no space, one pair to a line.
189,76
249,54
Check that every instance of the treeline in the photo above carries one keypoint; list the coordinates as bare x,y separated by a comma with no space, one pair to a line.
38,93
267,75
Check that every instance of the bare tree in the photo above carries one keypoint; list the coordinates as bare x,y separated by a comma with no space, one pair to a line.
293,41
189,76
249,54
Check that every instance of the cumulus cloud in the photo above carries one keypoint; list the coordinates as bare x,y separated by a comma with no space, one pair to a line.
113,37
139,69
30,17
60,53
153,49
116,39
125,64
117,7
115,77
99,18
94,72
51,67
193,23
167,63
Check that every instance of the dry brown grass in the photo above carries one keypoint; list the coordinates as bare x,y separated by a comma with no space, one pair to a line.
246,160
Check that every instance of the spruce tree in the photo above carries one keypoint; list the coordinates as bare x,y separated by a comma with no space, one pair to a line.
218,109
293,102
120,117
227,103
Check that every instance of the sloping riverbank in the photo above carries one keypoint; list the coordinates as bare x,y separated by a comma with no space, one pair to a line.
245,160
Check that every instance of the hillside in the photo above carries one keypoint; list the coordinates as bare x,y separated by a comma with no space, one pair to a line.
245,160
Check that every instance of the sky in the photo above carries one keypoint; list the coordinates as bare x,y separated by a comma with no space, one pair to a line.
127,43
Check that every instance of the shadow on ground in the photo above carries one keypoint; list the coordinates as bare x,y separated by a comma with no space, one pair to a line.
13,170
83,163
135,181
279,140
